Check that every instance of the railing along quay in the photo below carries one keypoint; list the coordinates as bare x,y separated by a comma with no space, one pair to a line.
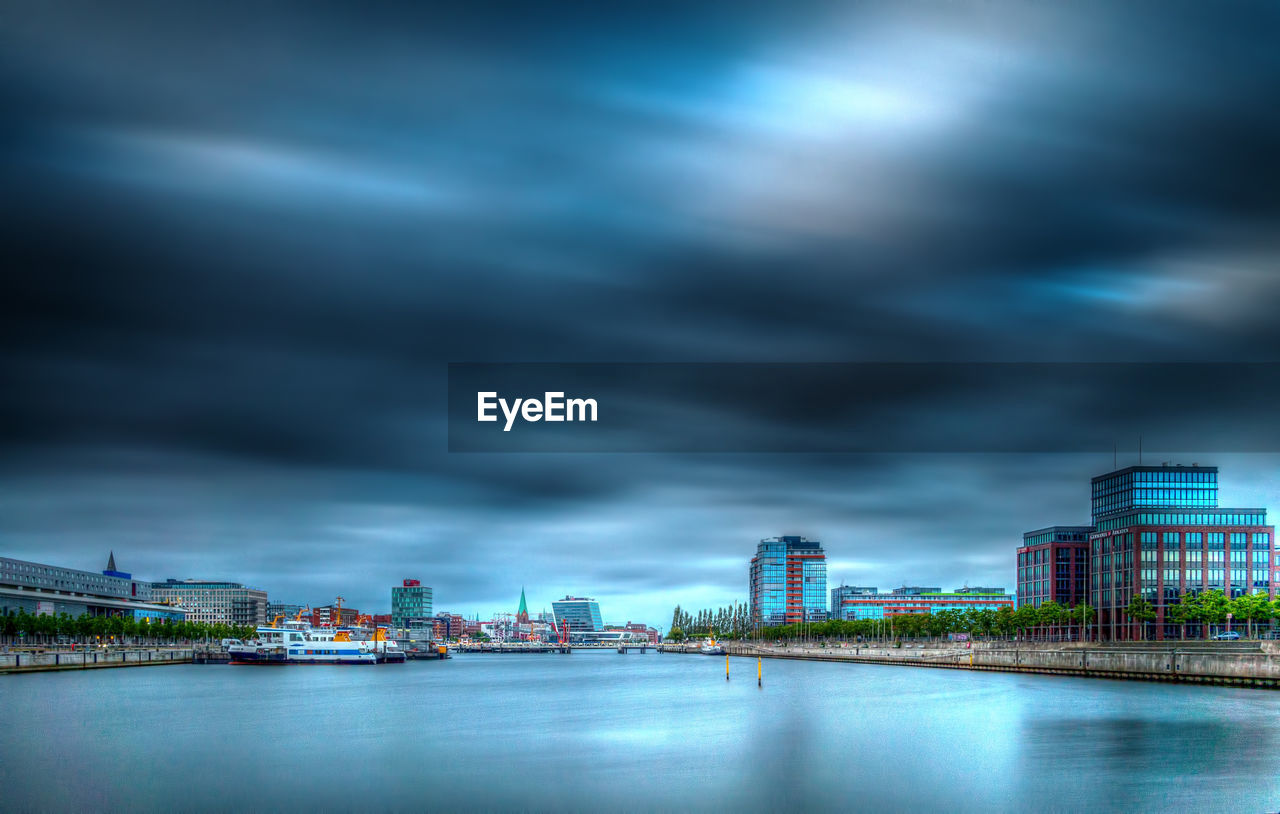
34,662
1255,664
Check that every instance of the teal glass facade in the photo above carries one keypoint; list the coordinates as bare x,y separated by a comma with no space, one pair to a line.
412,600
582,613
1138,487
787,581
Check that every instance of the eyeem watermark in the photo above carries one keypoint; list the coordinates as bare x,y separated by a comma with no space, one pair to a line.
553,406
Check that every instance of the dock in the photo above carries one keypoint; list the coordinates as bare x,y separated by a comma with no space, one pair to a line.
513,647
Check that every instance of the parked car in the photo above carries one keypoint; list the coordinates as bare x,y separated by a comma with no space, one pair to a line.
1227,636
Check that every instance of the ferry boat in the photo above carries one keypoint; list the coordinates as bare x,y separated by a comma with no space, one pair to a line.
299,643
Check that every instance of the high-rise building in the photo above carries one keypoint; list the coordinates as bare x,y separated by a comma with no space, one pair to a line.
788,581
582,613
1053,565
412,600
1158,534
227,603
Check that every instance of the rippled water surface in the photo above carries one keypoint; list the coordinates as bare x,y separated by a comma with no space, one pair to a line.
600,731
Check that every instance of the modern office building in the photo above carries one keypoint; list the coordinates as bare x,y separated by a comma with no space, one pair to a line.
228,603
916,599
1159,533
42,590
1053,565
285,609
840,592
787,582
411,600
582,613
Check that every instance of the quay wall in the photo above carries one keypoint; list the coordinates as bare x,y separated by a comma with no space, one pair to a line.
90,659
1202,665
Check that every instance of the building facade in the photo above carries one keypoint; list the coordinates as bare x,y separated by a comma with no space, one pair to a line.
284,609
1159,534
918,599
411,600
1053,565
227,603
40,590
448,626
333,616
838,594
787,582
581,613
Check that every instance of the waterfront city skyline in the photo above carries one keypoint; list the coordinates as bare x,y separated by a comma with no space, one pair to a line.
855,557
237,283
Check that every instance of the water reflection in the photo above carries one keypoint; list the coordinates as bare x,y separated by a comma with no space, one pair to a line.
599,731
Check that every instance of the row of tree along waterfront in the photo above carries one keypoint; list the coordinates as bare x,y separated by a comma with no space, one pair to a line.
1203,612
30,629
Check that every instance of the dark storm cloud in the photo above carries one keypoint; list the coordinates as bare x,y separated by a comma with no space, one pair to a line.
242,242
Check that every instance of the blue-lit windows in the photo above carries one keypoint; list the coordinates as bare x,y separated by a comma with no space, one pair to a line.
1262,540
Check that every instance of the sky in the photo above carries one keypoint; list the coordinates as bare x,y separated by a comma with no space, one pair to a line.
246,240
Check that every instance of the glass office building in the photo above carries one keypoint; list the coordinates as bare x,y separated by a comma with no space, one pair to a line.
842,592
788,582
1160,534
582,613
410,600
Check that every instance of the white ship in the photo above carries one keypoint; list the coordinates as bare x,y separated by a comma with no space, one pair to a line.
296,642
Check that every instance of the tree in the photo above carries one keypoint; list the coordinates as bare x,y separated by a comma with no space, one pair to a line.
1252,608
676,635
1049,614
1214,607
1184,611
1142,611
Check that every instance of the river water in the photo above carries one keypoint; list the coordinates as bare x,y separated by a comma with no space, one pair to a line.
597,731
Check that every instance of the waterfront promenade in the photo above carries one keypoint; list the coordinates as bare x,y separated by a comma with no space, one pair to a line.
1243,664
88,659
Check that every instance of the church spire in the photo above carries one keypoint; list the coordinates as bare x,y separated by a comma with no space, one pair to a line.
111,561
522,613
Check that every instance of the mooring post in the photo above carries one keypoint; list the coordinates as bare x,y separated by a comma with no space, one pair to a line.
726,666
759,672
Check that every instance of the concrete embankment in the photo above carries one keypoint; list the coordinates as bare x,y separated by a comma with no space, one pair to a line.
1254,664
27,662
